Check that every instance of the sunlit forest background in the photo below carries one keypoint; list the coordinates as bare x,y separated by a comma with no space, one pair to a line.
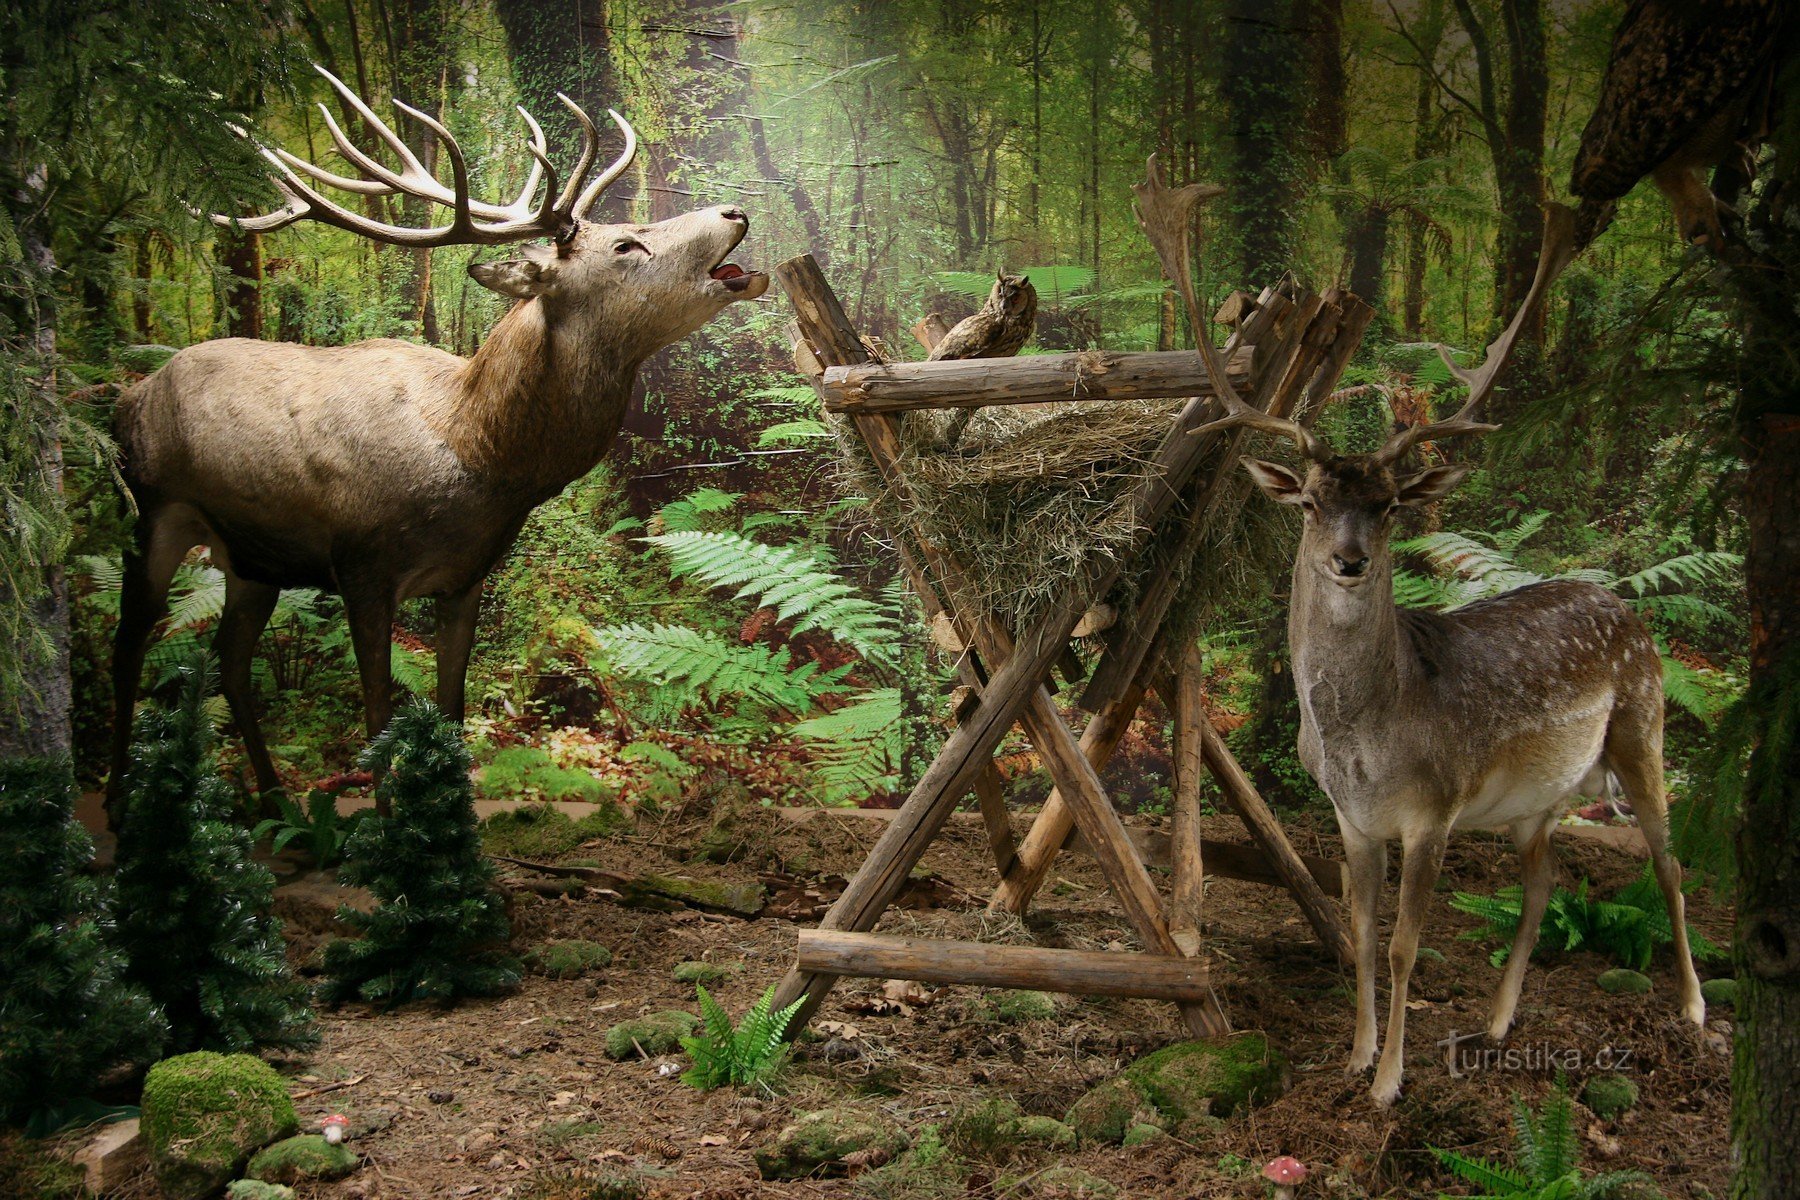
914,147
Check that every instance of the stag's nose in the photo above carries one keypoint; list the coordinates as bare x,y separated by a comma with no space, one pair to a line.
732,212
1349,566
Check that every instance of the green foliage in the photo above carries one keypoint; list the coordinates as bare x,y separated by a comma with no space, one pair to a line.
194,906
856,748
749,1053
691,513
1547,1160
544,831
317,826
526,772
1627,928
1055,285
66,1013
688,667
440,931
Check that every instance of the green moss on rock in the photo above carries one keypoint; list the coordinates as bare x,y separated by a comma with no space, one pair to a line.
1216,1076
570,958
1137,1135
816,1143
1609,1095
741,899
929,1170
544,831
1046,1131
698,972
985,1127
1108,1110
306,1157
1017,1007
1621,981
204,1114
658,1033
1720,992
256,1189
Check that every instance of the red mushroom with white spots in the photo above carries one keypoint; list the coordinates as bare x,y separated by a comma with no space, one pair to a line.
1285,1173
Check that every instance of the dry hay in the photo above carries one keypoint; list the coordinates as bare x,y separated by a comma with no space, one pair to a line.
1025,499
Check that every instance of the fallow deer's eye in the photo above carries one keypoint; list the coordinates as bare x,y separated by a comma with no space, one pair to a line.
626,246
1307,505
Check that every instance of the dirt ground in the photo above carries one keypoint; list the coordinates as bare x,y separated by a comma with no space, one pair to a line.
483,1099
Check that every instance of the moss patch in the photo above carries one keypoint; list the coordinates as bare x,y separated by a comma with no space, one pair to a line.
1045,1131
698,972
741,899
583,1184
1109,1109
1609,1095
256,1189
306,1157
816,1143
1213,1077
1621,981
543,831
567,959
1017,1007
1720,992
930,1170
1059,1183
204,1114
658,1033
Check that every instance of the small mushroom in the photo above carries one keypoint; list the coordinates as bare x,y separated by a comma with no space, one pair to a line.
334,1127
1285,1173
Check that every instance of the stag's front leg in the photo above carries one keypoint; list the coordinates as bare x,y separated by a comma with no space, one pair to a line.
1424,857
1367,860
456,615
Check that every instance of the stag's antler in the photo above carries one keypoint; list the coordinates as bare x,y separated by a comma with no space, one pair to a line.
1558,249
474,222
1165,214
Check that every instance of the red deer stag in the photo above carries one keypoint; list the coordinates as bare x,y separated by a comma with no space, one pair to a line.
1492,716
387,470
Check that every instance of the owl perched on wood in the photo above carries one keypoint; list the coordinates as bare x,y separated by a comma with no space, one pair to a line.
1687,89
999,329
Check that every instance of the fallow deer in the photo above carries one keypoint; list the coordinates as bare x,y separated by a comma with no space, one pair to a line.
1491,716
387,470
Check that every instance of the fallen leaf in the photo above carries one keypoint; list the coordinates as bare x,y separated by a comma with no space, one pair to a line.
715,1139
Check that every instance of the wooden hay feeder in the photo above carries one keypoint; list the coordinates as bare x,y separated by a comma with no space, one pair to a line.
1287,352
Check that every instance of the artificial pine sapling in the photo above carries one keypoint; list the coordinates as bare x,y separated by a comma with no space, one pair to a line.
441,929
194,906
66,1013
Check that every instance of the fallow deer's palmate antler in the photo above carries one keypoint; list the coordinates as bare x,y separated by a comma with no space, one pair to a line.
473,222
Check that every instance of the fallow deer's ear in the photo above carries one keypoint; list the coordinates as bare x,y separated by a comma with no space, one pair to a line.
1277,482
1433,483
531,274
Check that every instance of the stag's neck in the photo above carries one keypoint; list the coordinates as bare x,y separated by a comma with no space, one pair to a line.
1347,646
539,404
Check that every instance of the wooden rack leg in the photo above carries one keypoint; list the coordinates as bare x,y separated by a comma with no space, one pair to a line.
1266,831
1099,822
1185,892
990,794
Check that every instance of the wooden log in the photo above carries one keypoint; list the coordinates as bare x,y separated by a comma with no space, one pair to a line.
990,796
1185,891
982,964
969,748
113,1154
1271,839
1031,379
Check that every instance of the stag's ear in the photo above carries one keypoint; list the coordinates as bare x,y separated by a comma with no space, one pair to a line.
1433,483
1277,482
531,274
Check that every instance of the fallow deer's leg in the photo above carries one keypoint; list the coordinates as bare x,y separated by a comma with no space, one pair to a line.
1634,749
1367,859
456,614
162,540
1424,856
248,606
1536,869
370,607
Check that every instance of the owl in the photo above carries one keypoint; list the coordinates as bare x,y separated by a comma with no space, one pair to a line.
1686,90
999,329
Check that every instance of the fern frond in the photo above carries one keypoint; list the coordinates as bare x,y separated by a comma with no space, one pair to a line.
856,749
803,430
688,513
1500,1180
1684,570
709,666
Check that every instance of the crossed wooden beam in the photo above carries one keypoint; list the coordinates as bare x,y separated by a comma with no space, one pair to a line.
1287,353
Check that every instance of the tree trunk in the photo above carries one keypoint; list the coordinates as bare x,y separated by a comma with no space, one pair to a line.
1765,1081
1368,238
240,293
35,723
1430,32
1262,73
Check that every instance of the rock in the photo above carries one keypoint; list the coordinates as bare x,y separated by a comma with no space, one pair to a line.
698,972
1211,1077
1609,1095
1621,981
256,1189
1047,1131
1720,992
1108,1110
1137,1135
658,1033
204,1114
817,1143
303,1158
1015,1007
567,959
113,1153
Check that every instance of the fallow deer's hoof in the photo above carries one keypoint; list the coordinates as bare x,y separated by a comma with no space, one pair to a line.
1384,1095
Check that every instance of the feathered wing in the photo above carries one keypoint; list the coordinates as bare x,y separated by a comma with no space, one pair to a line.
968,339
1674,65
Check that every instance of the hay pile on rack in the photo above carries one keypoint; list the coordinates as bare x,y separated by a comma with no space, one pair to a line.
1025,498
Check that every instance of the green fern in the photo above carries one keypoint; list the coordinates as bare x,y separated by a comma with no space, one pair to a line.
693,667
1547,1158
856,749
790,581
1628,928
751,1052
782,433
689,513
